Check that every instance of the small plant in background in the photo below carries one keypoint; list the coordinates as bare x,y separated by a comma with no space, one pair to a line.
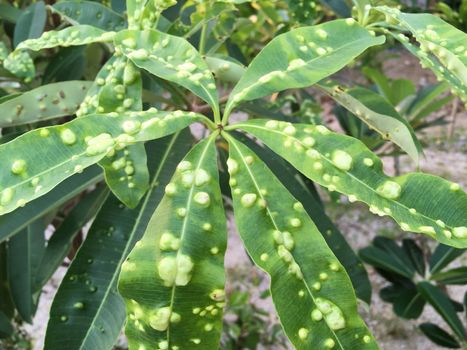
153,259
417,278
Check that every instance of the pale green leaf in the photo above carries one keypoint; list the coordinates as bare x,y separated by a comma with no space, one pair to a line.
443,47
94,312
72,36
45,102
379,115
418,202
91,13
224,69
171,58
311,291
173,280
60,151
301,58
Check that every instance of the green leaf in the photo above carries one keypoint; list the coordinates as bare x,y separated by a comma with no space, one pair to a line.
344,164
30,23
306,194
439,336
59,245
21,65
224,69
6,329
45,102
311,291
126,171
72,36
91,13
173,280
171,58
442,305
14,222
382,259
23,253
301,58
409,304
442,46
415,254
379,115
443,256
9,12
97,324
453,276
74,146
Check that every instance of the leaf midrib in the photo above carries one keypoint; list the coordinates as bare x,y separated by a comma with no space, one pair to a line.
346,172
277,228
130,237
185,221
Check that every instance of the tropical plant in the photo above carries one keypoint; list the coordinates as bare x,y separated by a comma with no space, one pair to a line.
417,279
160,236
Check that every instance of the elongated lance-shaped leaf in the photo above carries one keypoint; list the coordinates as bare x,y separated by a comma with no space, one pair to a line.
31,22
171,58
442,46
342,163
173,280
72,36
59,245
306,195
24,251
301,58
14,222
311,291
91,13
94,311
45,102
69,148
126,171
379,115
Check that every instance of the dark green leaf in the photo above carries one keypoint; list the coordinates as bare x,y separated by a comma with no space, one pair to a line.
439,336
30,24
415,254
442,305
453,276
443,256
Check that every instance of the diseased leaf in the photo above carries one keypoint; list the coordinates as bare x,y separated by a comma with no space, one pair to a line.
301,58
379,115
14,222
45,102
344,164
72,36
30,24
72,147
442,305
91,13
439,336
311,291
21,65
335,239
173,280
171,58
94,311
442,46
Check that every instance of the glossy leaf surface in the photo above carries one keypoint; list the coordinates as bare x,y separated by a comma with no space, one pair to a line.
173,280
74,146
301,58
311,291
94,311
171,58
91,13
379,115
344,164
45,102
72,36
